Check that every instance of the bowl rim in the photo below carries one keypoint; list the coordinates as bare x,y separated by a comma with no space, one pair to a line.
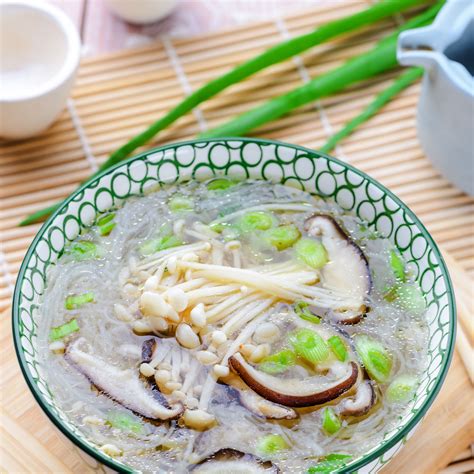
384,446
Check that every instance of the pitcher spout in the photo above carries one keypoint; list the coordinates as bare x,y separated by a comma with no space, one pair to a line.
416,48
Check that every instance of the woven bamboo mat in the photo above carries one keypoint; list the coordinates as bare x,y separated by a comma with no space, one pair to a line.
117,95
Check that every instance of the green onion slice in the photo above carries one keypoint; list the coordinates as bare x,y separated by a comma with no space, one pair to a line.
397,265
329,464
124,422
309,345
410,298
258,220
338,347
311,252
161,243
279,362
301,309
220,184
271,444
83,250
106,224
375,357
402,388
331,422
282,237
60,332
180,203
76,301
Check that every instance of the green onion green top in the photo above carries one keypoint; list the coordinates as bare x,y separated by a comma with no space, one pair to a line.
329,464
331,422
301,309
66,329
76,301
220,184
106,224
338,347
397,265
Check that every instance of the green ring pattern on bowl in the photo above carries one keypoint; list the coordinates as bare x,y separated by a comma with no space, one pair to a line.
243,158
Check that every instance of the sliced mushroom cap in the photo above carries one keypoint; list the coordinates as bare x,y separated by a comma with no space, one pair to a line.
265,408
123,386
347,271
148,349
233,461
363,401
314,390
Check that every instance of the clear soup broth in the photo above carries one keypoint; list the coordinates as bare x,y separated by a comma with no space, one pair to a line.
232,327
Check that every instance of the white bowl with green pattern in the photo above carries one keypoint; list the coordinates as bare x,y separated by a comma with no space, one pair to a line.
242,158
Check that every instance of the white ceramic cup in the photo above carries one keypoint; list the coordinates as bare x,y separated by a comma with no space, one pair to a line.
39,56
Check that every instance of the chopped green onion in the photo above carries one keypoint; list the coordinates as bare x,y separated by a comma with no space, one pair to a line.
220,184
76,301
60,332
331,422
401,83
180,204
338,347
256,221
397,265
402,388
309,345
161,243
83,250
410,298
124,422
329,464
279,362
283,236
106,224
375,357
311,252
219,227
271,444
301,309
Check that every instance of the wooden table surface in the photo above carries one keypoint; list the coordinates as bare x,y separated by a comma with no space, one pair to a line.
101,31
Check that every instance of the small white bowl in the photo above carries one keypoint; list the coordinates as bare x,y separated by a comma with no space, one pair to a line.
40,51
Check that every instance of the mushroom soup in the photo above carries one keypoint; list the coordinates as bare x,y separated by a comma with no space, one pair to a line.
232,327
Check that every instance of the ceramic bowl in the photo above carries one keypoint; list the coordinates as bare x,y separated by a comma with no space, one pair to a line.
242,158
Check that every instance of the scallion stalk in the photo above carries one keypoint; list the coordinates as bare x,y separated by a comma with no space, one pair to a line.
301,309
282,237
401,83
364,66
311,252
279,362
375,357
329,464
274,55
338,347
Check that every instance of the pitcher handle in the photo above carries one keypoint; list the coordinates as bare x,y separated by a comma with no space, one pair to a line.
415,47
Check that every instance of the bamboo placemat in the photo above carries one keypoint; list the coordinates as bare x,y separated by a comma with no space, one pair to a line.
117,95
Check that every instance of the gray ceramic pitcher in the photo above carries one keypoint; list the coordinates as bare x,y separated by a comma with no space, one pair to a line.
445,117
